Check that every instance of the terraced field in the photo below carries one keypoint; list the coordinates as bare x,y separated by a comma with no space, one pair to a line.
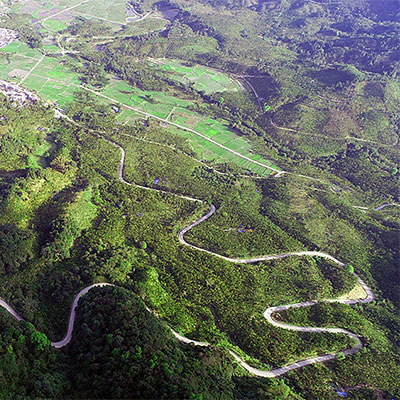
56,15
212,140
162,106
202,78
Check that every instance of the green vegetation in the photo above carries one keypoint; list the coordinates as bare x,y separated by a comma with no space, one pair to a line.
202,78
306,86
21,49
54,25
98,231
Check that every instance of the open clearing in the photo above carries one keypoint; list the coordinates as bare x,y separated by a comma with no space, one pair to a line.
54,25
56,15
57,83
162,105
203,78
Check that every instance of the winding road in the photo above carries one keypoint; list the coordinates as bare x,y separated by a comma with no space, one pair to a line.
386,205
268,313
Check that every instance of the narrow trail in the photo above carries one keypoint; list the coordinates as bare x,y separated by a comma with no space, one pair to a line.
386,205
378,208
60,12
258,98
348,138
31,70
268,313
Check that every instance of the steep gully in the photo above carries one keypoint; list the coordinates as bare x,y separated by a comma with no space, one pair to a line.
268,313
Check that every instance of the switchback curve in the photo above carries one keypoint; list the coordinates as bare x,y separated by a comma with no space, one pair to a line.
268,313
271,310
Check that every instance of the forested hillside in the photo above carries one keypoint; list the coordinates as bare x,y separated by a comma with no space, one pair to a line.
274,125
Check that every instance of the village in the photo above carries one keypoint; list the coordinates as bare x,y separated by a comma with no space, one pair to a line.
6,35
16,94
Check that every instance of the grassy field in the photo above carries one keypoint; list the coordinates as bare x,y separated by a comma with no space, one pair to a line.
16,69
51,49
53,81
161,105
21,49
56,83
43,9
113,11
202,78
144,26
54,25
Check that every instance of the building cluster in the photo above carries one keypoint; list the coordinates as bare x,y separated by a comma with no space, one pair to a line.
6,35
16,94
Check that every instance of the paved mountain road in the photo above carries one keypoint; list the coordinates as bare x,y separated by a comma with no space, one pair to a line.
10,310
268,313
386,205
68,336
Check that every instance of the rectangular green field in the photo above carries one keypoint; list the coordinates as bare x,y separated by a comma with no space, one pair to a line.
201,127
235,144
157,104
21,49
54,25
210,132
223,138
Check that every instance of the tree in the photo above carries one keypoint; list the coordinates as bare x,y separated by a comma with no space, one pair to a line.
340,356
351,269
38,338
29,36
15,247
